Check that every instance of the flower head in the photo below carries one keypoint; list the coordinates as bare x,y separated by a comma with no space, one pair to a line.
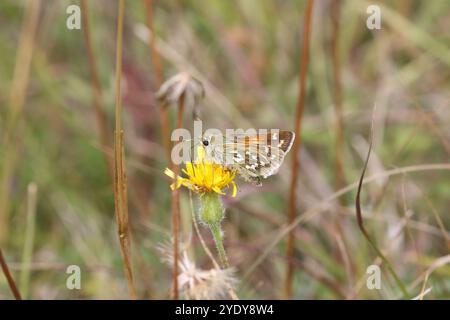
195,283
200,284
204,176
182,86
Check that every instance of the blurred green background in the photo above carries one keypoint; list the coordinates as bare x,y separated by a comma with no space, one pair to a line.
247,55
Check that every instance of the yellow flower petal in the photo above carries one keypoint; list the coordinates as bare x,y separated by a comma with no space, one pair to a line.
169,173
200,154
204,176
234,188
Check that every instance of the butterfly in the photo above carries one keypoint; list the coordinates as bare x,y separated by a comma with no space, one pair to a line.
253,155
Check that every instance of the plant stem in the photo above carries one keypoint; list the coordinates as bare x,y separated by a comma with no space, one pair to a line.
296,148
29,239
176,208
217,235
230,290
360,221
212,214
9,278
120,179
165,132
16,102
175,214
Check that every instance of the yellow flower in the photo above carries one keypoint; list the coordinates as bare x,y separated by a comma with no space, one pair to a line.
204,176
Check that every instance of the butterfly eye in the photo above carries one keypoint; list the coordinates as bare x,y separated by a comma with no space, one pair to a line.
205,143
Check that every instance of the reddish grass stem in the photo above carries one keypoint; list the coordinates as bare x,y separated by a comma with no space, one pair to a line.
176,209
9,278
165,131
296,147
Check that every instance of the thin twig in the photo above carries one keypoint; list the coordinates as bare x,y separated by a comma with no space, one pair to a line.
9,278
297,145
120,180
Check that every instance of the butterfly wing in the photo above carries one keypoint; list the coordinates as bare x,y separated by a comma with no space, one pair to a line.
253,156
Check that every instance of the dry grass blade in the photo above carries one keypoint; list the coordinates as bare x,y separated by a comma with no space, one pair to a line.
361,222
423,291
297,144
16,102
120,181
9,278
29,239
440,262
96,90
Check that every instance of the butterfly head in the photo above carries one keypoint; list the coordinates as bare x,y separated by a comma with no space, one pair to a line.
207,141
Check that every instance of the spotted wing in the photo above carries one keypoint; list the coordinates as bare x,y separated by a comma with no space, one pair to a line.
254,156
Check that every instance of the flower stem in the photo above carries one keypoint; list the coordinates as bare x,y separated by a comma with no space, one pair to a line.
211,214
217,235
